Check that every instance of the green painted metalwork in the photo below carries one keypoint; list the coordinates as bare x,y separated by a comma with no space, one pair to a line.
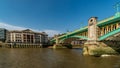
107,21
82,37
74,32
109,34
53,40
117,14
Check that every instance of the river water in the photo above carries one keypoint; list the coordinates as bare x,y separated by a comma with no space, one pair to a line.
53,58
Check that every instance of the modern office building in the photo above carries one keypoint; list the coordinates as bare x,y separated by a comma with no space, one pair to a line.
3,34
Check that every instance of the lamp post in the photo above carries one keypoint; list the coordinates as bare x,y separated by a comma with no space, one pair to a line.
67,34
81,24
116,6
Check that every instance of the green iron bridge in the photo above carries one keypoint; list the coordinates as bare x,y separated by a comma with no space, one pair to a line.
107,29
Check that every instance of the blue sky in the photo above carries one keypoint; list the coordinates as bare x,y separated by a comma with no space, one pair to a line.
52,16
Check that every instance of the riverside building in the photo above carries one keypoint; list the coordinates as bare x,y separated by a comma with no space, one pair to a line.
26,37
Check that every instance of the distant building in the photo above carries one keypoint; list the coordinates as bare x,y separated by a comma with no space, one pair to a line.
27,36
41,38
3,34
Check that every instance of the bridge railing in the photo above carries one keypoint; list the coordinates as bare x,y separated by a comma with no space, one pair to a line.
105,20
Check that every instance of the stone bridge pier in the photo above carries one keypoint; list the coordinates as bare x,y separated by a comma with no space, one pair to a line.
57,43
93,46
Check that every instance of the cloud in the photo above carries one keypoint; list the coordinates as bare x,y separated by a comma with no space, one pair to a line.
52,32
13,27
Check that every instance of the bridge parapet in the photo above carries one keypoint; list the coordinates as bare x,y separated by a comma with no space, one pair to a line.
108,29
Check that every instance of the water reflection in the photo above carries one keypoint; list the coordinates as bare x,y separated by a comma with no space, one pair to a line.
53,58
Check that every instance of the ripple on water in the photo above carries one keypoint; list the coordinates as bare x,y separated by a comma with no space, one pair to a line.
53,58
117,64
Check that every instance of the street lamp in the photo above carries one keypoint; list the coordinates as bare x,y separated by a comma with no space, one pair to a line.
81,24
116,6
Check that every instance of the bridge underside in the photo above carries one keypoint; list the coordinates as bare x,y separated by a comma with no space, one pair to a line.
74,41
111,39
69,40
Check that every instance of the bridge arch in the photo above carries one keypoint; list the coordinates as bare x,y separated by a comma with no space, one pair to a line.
77,37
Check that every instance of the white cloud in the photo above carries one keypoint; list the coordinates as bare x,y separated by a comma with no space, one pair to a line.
51,32
12,27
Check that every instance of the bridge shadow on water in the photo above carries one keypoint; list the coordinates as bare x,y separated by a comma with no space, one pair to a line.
70,46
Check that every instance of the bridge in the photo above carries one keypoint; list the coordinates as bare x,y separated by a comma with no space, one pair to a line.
107,29
106,32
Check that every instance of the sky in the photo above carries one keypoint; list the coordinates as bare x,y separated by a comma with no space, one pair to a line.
52,16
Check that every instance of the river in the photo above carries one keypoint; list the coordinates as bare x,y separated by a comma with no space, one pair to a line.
53,58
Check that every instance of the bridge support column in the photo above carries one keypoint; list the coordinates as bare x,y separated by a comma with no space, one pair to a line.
89,46
92,35
57,44
93,46
99,48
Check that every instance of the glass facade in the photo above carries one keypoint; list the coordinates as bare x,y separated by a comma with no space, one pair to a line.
3,34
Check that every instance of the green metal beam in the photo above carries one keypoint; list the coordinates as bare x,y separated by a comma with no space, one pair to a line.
82,37
52,40
109,34
108,21
74,32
